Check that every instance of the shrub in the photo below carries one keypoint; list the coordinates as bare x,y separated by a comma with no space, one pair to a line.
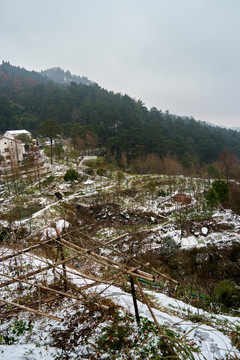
89,171
226,293
101,172
213,171
90,162
48,180
219,192
70,175
99,161
162,193
212,197
169,247
120,177
222,190
4,234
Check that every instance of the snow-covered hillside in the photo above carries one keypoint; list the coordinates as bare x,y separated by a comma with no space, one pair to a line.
67,253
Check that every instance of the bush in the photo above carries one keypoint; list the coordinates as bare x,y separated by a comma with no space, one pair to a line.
169,247
219,192
213,171
4,234
101,172
70,175
162,193
89,171
227,294
212,197
222,190
90,162
99,161
48,180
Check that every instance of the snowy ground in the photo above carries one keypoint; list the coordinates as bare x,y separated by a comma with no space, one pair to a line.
213,344
171,312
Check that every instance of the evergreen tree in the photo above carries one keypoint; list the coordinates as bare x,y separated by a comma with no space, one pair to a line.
51,129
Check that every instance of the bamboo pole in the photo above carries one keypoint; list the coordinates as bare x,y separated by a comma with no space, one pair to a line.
88,256
144,273
14,310
24,250
129,257
109,262
43,287
89,252
108,242
148,305
31,310
25,276
63,266
139,276
79,273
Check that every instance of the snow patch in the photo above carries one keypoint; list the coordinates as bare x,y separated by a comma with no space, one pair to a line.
204,231
52,232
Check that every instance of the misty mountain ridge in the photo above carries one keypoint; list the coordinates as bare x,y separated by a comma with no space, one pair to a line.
234,128
95,117
59,76
55,74
62,77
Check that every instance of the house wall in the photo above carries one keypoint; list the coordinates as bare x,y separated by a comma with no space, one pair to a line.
12,150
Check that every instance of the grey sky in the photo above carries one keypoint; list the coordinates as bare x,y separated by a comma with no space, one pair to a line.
177,55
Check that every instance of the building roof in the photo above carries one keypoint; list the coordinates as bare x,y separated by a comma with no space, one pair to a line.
17,132
89,182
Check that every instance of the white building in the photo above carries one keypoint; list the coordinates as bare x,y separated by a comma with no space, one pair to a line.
11,150
15,133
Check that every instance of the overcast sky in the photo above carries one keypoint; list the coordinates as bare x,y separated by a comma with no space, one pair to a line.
177,55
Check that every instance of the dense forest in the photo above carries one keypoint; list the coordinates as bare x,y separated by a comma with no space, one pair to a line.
93,116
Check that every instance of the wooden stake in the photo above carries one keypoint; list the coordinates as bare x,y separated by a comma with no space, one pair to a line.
134,300
63,265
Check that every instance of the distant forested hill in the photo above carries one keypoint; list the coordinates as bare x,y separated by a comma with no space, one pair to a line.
59,76
86,112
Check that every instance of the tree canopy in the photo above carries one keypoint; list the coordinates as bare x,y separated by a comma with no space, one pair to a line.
95,117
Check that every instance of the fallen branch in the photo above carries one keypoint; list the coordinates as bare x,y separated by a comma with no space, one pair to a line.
25,276
25,250
31,310
43,287
126,255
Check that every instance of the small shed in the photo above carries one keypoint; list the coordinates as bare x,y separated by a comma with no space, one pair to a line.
89,186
